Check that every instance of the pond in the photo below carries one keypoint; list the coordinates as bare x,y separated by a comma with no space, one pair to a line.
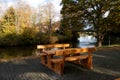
86,41
85,45
14,52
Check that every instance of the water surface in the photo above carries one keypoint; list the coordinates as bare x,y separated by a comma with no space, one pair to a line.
14,52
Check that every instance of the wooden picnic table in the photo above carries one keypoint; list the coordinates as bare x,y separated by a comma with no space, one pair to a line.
68,55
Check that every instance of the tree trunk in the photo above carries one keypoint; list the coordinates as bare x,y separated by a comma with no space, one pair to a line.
100,43
99,40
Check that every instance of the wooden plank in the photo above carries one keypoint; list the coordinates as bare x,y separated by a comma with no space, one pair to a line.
73,58
56,60
53,46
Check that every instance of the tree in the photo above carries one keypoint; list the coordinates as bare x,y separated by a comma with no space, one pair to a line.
46,19
17,28
23,16
8,21
94,13
47,16
71,21
8,31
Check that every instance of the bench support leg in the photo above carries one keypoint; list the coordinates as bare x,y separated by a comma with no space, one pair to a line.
43,60
87,63
58,67
49,63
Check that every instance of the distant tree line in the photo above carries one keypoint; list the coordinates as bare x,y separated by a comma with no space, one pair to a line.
23,25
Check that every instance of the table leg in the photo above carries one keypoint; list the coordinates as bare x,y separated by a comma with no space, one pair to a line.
49,64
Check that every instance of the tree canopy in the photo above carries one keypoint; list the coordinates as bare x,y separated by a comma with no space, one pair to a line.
99,15
8,21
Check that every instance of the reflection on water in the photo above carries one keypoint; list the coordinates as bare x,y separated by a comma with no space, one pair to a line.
86,41
87,45
83,45
14,52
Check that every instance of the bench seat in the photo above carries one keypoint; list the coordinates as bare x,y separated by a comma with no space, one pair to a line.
71,58
74,58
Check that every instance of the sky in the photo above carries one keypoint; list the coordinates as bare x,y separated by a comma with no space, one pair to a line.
32,3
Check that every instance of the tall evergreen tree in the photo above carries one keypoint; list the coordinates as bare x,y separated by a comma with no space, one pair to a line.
8,21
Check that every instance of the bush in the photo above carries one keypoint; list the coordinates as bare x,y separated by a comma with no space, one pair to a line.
9,40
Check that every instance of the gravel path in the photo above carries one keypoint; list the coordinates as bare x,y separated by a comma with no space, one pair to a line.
106,63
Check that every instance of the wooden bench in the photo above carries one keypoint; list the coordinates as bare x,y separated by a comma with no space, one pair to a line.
49,47
117,79
74,55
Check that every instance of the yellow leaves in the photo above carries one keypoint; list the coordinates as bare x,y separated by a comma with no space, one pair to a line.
8,29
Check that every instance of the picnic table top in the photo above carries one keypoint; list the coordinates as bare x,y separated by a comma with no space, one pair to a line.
52,52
